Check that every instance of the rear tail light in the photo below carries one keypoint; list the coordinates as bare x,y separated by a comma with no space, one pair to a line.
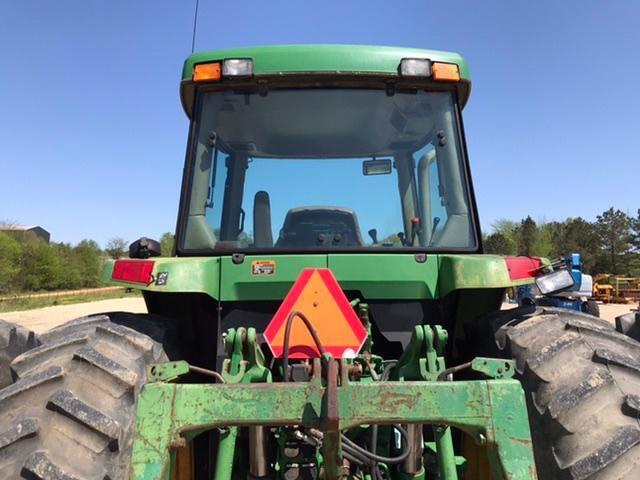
134,271
523,267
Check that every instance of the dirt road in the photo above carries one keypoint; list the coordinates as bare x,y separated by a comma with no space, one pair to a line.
612,310
42,319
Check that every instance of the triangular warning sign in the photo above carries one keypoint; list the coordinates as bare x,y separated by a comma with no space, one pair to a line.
318,296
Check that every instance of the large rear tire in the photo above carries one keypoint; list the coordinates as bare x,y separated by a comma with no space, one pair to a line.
14,340
70,413
582,382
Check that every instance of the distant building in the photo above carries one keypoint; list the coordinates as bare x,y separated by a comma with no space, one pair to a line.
36,230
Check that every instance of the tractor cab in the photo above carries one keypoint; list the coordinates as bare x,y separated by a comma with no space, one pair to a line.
283,160
282,343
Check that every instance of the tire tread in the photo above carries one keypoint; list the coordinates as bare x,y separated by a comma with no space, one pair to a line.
582,382
69,393
14,340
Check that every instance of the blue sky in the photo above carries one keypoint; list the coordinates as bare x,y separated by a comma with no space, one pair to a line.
92,134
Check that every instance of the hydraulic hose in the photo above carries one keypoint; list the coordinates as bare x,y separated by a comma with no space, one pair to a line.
379,458
350,450
287,338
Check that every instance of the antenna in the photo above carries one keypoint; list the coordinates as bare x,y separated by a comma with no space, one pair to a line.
195,24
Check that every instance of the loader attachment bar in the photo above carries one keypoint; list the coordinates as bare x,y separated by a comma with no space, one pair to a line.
493,412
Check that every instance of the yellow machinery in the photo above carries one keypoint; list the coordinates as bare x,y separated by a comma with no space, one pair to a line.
628,288
607,288
602,289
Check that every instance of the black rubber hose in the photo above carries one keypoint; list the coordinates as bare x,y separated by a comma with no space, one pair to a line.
352,458
376,473
351,450
378,458
287,338
450,371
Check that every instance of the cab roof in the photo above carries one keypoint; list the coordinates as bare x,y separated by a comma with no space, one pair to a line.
323,59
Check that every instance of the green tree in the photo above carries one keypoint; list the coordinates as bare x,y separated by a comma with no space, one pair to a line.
508,229
543,241
614,232
70,276
499,244
576,235
635,232
633,265
504,225
41,268
87,256
527,232
166,244
9,262
27,263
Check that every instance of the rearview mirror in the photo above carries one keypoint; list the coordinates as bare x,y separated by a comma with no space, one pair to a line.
144,248
376,167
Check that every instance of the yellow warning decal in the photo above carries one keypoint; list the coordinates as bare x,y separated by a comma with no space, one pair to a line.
263,268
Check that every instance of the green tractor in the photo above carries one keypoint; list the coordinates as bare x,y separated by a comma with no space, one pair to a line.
283,343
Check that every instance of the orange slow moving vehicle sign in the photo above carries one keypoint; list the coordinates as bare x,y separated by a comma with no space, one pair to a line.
318,296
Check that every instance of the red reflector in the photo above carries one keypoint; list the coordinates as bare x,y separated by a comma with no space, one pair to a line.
136,271
522,267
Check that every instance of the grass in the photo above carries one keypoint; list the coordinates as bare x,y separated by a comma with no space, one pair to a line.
26,303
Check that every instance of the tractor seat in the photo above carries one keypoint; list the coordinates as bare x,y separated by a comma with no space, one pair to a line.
320,227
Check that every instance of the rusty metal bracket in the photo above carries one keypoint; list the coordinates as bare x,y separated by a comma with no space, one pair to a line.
331,446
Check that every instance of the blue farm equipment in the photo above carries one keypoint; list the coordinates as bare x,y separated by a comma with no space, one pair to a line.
577,297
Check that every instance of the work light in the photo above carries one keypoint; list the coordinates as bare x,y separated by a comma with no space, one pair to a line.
554,281
415,67
237,67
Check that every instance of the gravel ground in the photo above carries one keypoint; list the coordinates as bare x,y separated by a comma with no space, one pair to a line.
43,319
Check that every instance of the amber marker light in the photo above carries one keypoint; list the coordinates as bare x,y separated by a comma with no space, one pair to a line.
445,72
206,72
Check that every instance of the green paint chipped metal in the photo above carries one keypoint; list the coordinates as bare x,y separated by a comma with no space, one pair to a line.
494,409
491,411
